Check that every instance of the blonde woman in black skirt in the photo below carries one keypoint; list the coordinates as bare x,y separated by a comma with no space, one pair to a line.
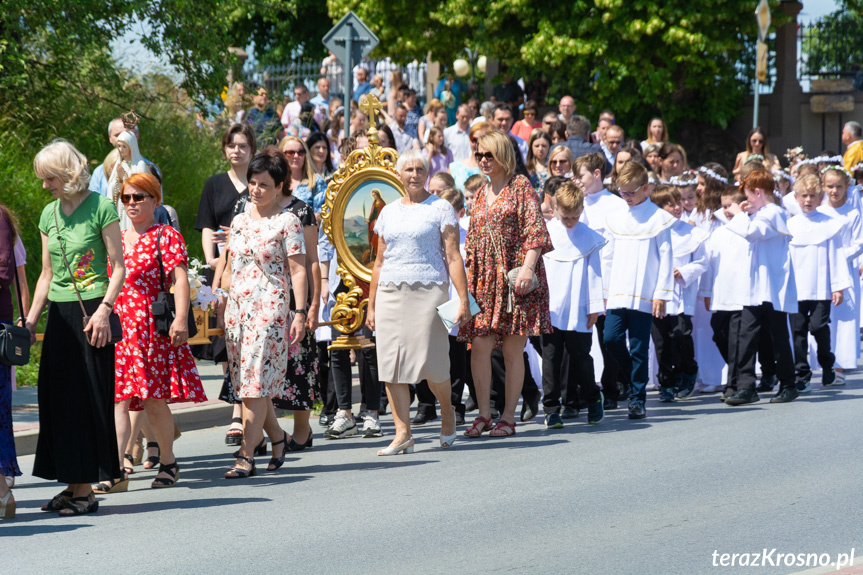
417,257
77,439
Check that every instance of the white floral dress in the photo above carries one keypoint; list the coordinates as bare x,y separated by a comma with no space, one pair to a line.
256,319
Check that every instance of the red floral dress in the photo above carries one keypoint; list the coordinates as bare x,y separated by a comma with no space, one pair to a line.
517,224
146,365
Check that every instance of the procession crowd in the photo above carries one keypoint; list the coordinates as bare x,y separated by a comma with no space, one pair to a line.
525,250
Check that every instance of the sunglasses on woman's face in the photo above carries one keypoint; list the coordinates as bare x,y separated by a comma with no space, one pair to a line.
137,198
292,153
480,157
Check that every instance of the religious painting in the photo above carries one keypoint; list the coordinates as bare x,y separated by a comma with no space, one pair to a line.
361,214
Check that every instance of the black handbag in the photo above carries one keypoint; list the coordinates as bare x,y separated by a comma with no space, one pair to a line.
15,340
165,308
113,318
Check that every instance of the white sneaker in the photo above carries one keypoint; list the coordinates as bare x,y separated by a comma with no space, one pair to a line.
371,425
710,389
343,426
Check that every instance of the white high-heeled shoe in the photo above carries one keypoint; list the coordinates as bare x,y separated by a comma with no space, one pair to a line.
406,447
448,440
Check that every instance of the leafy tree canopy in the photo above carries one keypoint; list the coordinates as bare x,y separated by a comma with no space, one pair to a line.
676,58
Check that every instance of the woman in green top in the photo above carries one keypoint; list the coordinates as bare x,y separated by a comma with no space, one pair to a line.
77,439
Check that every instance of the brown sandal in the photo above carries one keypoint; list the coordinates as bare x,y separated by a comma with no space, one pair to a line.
502,429
479,426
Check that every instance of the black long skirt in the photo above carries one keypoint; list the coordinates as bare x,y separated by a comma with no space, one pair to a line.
77,438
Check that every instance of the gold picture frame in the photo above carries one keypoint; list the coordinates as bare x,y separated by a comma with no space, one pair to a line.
365,182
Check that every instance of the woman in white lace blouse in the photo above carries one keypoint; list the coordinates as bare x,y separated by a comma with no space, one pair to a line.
417,257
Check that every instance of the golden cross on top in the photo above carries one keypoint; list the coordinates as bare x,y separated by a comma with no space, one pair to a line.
371,107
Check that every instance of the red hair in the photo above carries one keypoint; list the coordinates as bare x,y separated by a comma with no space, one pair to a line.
760,179
147,183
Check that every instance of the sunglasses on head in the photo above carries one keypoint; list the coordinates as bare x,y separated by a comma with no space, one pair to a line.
292,153
137,198
480,157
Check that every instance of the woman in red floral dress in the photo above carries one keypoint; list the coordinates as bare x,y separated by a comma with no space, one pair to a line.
151,369
506,231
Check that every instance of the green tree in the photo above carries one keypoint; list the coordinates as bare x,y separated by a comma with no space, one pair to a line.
676,58
834,44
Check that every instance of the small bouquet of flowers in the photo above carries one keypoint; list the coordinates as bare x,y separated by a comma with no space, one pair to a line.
200,294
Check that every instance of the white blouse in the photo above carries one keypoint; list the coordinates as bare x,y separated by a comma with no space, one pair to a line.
414,241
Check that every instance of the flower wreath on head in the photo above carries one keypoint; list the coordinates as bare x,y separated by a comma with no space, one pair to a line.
779,174
754,158
686,179
713,175
836,169
857,168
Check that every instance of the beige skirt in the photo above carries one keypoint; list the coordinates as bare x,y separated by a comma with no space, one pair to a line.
412,342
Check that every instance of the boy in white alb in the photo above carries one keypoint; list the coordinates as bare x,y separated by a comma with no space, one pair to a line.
640,281
575,303
773,290
723,292
821,272
599,204
672,334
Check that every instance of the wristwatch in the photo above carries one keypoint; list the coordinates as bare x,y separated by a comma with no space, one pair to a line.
303,311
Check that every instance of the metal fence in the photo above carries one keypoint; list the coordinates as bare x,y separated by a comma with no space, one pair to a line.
831,48
281,79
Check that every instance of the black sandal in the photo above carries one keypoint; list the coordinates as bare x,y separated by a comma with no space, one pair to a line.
261,448
129,470
58,502
294,446
81,505
113,486
234,436
164,481
153,460
276,462
239,472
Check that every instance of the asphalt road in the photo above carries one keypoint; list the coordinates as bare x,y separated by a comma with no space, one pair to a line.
657,496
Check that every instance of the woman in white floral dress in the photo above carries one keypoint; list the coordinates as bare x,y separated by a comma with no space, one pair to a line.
266,259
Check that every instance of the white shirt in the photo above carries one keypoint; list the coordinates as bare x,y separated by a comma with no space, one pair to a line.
598,207
608,155
574,275
727,254
641,259
414,242
690,259
457,141
820,267
789,202
771,273
291,112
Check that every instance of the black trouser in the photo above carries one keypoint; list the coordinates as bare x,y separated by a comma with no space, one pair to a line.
811,317
726,334
675,350
529,389
610,372
367,364
765,351
580,374
328,389
752,318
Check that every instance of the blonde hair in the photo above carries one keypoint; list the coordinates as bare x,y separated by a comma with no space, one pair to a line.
108,165
807,183
632,172
500,147
308,168
63,161
475,183
569,198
